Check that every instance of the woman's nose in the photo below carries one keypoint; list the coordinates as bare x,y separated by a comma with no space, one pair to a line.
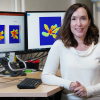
78,22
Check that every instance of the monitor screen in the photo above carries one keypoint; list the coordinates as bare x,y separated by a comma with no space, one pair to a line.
42,29
12,32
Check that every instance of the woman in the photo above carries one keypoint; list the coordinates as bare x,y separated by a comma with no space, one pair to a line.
77,52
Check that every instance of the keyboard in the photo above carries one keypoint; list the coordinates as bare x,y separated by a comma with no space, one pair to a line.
29,83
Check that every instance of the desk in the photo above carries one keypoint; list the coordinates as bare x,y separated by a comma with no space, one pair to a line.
8,87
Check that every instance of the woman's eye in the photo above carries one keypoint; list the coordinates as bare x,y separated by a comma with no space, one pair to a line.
83,18
73,19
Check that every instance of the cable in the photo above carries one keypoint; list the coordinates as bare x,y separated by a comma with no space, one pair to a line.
40,57
36,57
43,58
41,64
17,69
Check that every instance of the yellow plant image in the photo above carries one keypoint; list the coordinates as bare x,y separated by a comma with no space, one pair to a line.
52,31
1,37
14,34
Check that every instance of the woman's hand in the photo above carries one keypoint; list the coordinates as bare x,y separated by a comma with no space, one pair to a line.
72,86
80,90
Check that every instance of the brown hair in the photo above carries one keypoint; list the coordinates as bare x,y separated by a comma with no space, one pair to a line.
66,35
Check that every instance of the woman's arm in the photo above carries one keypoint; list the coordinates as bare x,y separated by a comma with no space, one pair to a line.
51,66
93,90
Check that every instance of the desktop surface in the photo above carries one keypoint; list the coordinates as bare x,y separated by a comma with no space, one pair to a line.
8,87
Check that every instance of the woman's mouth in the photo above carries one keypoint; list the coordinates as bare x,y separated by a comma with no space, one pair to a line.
79,29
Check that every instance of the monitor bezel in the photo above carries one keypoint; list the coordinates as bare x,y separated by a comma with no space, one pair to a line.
33,51
22,51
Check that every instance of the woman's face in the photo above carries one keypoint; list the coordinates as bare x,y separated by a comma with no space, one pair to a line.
79,23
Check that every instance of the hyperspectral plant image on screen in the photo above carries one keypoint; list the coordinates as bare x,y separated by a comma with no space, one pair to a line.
52,31
14,34
49,27
2,34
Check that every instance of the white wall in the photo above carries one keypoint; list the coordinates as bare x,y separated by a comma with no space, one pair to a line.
97,13
87,2
40,5
18,5
46,5
7,5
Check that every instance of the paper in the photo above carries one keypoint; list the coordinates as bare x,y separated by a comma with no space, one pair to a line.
2,55
11,58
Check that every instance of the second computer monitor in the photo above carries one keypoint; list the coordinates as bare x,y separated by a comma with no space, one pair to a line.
42,29
12,32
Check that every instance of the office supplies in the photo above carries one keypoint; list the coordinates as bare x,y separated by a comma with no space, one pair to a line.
29,83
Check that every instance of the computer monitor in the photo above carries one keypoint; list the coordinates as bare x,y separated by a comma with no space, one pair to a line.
12,32
42,28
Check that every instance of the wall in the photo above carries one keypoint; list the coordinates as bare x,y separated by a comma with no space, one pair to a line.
46,5
42,5
7,5
97,14
87,2
18,5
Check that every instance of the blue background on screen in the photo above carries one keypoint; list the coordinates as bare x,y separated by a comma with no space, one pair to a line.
49,21
2,28
11,27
